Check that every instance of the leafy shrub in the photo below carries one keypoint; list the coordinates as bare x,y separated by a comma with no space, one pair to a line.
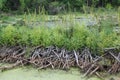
8,35
23,34
79,37
35,36
75,37
58,36
106,40
93,39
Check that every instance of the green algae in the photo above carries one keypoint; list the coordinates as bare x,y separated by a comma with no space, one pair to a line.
48,74
29,73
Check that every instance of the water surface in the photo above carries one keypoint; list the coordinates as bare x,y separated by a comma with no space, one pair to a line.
48,74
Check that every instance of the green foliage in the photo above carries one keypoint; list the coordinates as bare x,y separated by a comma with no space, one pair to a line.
58,36
45,36
23,5
8,35
75,37
106,40
1,3
23,36
78,39
117,42
35,36
93,39
109,6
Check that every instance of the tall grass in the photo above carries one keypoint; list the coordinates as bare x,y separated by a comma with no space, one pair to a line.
75,37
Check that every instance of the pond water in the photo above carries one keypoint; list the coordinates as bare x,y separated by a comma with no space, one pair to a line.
26,73
53,23
87,21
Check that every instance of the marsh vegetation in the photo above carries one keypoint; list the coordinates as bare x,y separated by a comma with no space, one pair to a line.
88,39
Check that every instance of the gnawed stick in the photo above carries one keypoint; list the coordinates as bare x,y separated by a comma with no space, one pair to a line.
25,60
98,75
76,58
116,65
10,67
114,56
44,66
94,70
88,71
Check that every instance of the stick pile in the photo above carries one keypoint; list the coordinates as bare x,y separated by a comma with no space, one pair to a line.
60,58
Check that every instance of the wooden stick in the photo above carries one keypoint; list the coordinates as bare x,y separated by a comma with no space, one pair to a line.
89,70
10,67
94,70
76,57
98,75
114,56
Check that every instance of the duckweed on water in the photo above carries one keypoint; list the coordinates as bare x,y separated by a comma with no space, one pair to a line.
48,74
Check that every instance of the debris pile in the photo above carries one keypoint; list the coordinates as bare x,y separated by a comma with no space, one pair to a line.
60,58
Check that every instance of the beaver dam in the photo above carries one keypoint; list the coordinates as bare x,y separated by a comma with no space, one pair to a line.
93,49
60,58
